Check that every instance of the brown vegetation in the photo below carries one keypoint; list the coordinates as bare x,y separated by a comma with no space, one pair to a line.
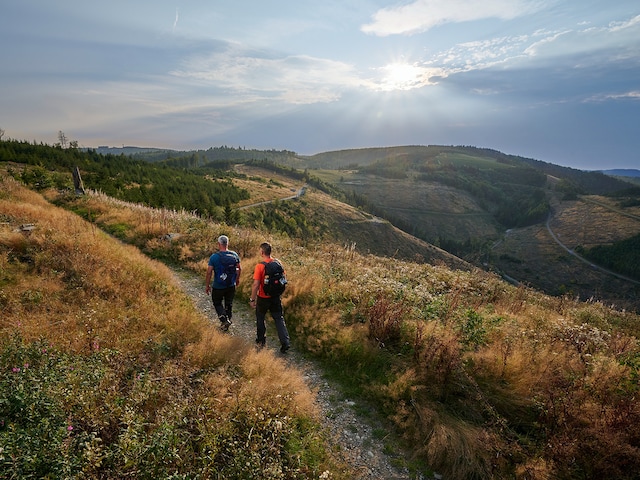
481,378
127,363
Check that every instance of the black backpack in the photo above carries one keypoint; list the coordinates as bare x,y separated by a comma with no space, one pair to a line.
229,273
274,278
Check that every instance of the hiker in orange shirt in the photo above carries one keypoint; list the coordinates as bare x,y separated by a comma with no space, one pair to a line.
263,302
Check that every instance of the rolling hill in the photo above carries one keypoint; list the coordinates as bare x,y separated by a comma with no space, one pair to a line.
517,383
459,205
492,210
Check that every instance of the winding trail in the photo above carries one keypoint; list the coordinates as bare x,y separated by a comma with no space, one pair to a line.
300,192
584,260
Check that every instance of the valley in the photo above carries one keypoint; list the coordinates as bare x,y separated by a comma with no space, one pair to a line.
464,222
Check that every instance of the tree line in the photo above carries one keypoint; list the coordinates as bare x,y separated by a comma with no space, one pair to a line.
156,185
622,257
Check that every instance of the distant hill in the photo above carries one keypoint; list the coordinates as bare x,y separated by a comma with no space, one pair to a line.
129,150
437,204
588,182
622,172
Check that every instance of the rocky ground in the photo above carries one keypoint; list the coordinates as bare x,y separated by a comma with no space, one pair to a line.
353,433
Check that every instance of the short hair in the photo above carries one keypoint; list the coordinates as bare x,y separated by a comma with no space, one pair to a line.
223,240
266,248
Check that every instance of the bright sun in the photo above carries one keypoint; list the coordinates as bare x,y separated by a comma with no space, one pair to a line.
402,76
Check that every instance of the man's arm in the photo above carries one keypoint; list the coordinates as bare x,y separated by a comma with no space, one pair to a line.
207,280
254,292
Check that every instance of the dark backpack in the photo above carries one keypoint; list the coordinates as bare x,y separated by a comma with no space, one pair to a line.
274,278
229,273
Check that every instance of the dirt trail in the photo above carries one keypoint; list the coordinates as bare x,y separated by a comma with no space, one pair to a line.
354,434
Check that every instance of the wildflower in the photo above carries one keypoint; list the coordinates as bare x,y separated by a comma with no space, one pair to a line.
69,428
15,369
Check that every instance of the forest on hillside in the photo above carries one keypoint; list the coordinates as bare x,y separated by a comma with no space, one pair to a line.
622,257
199,158
155,185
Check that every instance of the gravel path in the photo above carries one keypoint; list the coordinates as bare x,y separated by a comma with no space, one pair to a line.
354,434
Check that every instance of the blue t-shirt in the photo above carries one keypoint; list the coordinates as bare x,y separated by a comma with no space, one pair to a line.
224,265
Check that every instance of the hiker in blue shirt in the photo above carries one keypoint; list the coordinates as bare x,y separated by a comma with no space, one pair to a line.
224,267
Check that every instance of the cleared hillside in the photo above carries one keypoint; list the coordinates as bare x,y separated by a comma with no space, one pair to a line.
533,256
370,234
336,222
455,197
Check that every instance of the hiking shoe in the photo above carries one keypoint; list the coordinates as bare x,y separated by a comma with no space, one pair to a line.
260,344
225,323
284,348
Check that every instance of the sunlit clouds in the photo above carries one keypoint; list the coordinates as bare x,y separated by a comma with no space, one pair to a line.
405,76
297,79
555,80
422,15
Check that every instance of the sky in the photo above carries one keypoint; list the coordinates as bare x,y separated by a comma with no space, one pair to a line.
553,80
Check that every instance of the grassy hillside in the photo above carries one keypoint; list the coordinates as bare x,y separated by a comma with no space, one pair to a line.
107,371
480,378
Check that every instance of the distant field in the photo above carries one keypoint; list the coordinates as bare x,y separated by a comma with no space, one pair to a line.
464,160
595,220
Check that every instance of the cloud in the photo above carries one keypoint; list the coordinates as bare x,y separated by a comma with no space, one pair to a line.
565,55
175,22
631,95
633,22
296,79
422,15
591,46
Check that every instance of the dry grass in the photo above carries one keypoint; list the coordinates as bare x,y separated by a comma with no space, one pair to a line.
511,381
528,361
77,288
81,292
